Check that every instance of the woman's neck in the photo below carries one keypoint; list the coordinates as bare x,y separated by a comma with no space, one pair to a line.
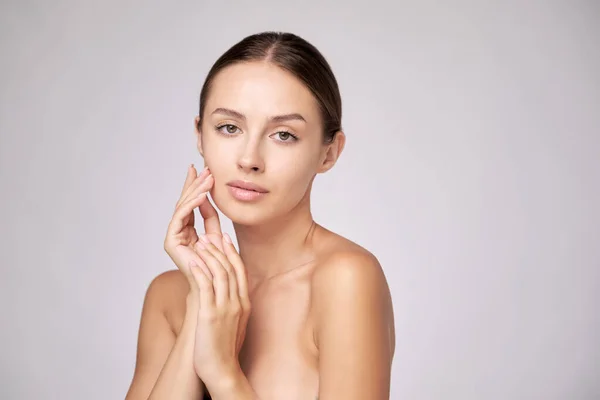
278,246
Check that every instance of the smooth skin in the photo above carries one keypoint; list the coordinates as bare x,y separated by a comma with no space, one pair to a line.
299,311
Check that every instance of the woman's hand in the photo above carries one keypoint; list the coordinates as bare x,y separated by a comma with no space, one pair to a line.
181,234
223,313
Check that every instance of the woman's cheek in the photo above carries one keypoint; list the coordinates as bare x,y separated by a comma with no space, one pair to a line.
298,184
216,160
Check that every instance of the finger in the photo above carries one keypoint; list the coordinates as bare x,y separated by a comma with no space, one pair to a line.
190,277
199,190
207,295
202,185
216,240
212,224
222,258
200,181
200,264
191,175
220,279
176,224
239,269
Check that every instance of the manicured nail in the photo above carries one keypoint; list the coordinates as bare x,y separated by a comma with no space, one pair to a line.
200,246
227,238
204,238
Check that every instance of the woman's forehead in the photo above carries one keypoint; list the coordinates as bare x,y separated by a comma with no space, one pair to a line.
261,88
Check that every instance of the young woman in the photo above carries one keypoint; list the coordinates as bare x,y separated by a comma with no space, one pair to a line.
300,312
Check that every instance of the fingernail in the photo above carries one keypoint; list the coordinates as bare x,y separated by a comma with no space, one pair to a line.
227,238
201,194
200,246
204,238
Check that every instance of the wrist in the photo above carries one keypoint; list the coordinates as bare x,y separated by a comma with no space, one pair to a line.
230,384
186,336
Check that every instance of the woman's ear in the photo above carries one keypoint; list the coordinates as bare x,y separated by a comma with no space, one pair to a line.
198,130
332,152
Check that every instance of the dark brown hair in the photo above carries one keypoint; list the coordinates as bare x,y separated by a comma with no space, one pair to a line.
295,55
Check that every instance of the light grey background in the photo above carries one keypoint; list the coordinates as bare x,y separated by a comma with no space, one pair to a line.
471,170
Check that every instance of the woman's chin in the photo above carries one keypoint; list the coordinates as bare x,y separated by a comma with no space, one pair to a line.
240,217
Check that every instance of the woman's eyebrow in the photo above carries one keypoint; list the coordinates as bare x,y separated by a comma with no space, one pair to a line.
288,117
229,113
276,118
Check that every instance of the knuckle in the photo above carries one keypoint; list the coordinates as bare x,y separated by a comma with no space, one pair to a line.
204,282
246,306
235,309
221,274
207,315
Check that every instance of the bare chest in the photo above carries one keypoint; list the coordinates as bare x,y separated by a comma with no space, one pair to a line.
279,356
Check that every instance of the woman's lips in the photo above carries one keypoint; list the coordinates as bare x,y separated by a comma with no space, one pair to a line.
245,194
247,185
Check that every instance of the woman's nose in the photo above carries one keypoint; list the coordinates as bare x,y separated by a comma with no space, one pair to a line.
251,160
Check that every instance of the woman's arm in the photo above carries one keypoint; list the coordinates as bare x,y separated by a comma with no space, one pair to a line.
353,328
164,365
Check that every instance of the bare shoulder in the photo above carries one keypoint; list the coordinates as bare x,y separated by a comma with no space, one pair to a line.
340,258
351,268
168,291
169,286
348,276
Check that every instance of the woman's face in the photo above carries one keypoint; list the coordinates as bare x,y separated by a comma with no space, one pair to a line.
261,126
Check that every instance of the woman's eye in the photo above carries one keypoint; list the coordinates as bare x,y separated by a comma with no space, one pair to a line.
228,129
286,136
